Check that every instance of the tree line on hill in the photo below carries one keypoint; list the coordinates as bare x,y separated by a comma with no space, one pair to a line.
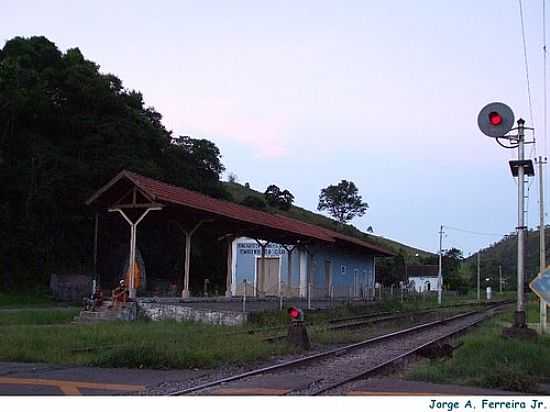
461,273
502,255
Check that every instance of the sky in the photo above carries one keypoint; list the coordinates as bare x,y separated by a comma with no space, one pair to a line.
305,94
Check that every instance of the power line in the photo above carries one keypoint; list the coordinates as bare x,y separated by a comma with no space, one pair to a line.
545,93
526,66
472,232
544,55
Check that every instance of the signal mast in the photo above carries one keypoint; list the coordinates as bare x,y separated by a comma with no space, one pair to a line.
496,120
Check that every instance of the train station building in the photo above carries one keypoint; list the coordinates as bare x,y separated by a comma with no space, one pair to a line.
264,254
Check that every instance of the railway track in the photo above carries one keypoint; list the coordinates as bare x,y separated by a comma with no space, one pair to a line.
330,371
360,322
369,319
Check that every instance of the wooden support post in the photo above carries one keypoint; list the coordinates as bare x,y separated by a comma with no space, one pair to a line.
289,251
133,236
187,266
205,293
244,296
132,262
96,229
309,275
229,267
260,277
262,274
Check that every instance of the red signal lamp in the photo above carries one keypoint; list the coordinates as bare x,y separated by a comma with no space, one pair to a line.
295,314
495,118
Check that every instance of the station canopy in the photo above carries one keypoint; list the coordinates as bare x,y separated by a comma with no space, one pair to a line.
130,191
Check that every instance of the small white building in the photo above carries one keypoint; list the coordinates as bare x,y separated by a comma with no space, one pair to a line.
423,278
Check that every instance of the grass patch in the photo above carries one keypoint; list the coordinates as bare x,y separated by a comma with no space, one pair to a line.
139,344
15,299
164,344
489,360
532,312
48,316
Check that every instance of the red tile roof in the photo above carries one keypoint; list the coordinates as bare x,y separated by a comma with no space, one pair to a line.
165,192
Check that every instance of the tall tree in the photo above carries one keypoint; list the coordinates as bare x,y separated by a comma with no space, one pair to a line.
342,201
65,130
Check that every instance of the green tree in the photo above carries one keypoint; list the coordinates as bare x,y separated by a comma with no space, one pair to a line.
280,199
452,261
342,201
65,130
392,270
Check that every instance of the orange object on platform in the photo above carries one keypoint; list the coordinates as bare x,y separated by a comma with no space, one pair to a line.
137,276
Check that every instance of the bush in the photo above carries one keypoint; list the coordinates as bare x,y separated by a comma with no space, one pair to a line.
254,202
510,379
487,359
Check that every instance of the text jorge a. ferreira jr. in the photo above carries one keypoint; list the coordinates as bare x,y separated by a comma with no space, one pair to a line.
488,404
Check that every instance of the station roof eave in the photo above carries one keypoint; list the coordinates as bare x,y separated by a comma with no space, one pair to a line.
235,218
375,250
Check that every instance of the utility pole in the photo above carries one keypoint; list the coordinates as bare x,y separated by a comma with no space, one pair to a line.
542,251
440,274
478,277
500,278
519,318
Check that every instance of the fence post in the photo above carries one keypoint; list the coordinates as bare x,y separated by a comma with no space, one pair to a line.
280,301
309,296
244,295
391,290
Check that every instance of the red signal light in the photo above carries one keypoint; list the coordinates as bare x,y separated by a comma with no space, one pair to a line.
294,313
495,119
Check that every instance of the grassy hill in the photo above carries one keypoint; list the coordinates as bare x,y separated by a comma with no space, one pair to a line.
240,192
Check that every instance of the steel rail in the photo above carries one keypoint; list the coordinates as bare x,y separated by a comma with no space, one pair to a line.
376,369
333,352
355,325
364,316
400,312
359,317
375,318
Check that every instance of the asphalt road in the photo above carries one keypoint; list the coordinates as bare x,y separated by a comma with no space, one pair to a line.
44,379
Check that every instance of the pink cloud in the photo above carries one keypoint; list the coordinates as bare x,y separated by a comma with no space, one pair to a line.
226,120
